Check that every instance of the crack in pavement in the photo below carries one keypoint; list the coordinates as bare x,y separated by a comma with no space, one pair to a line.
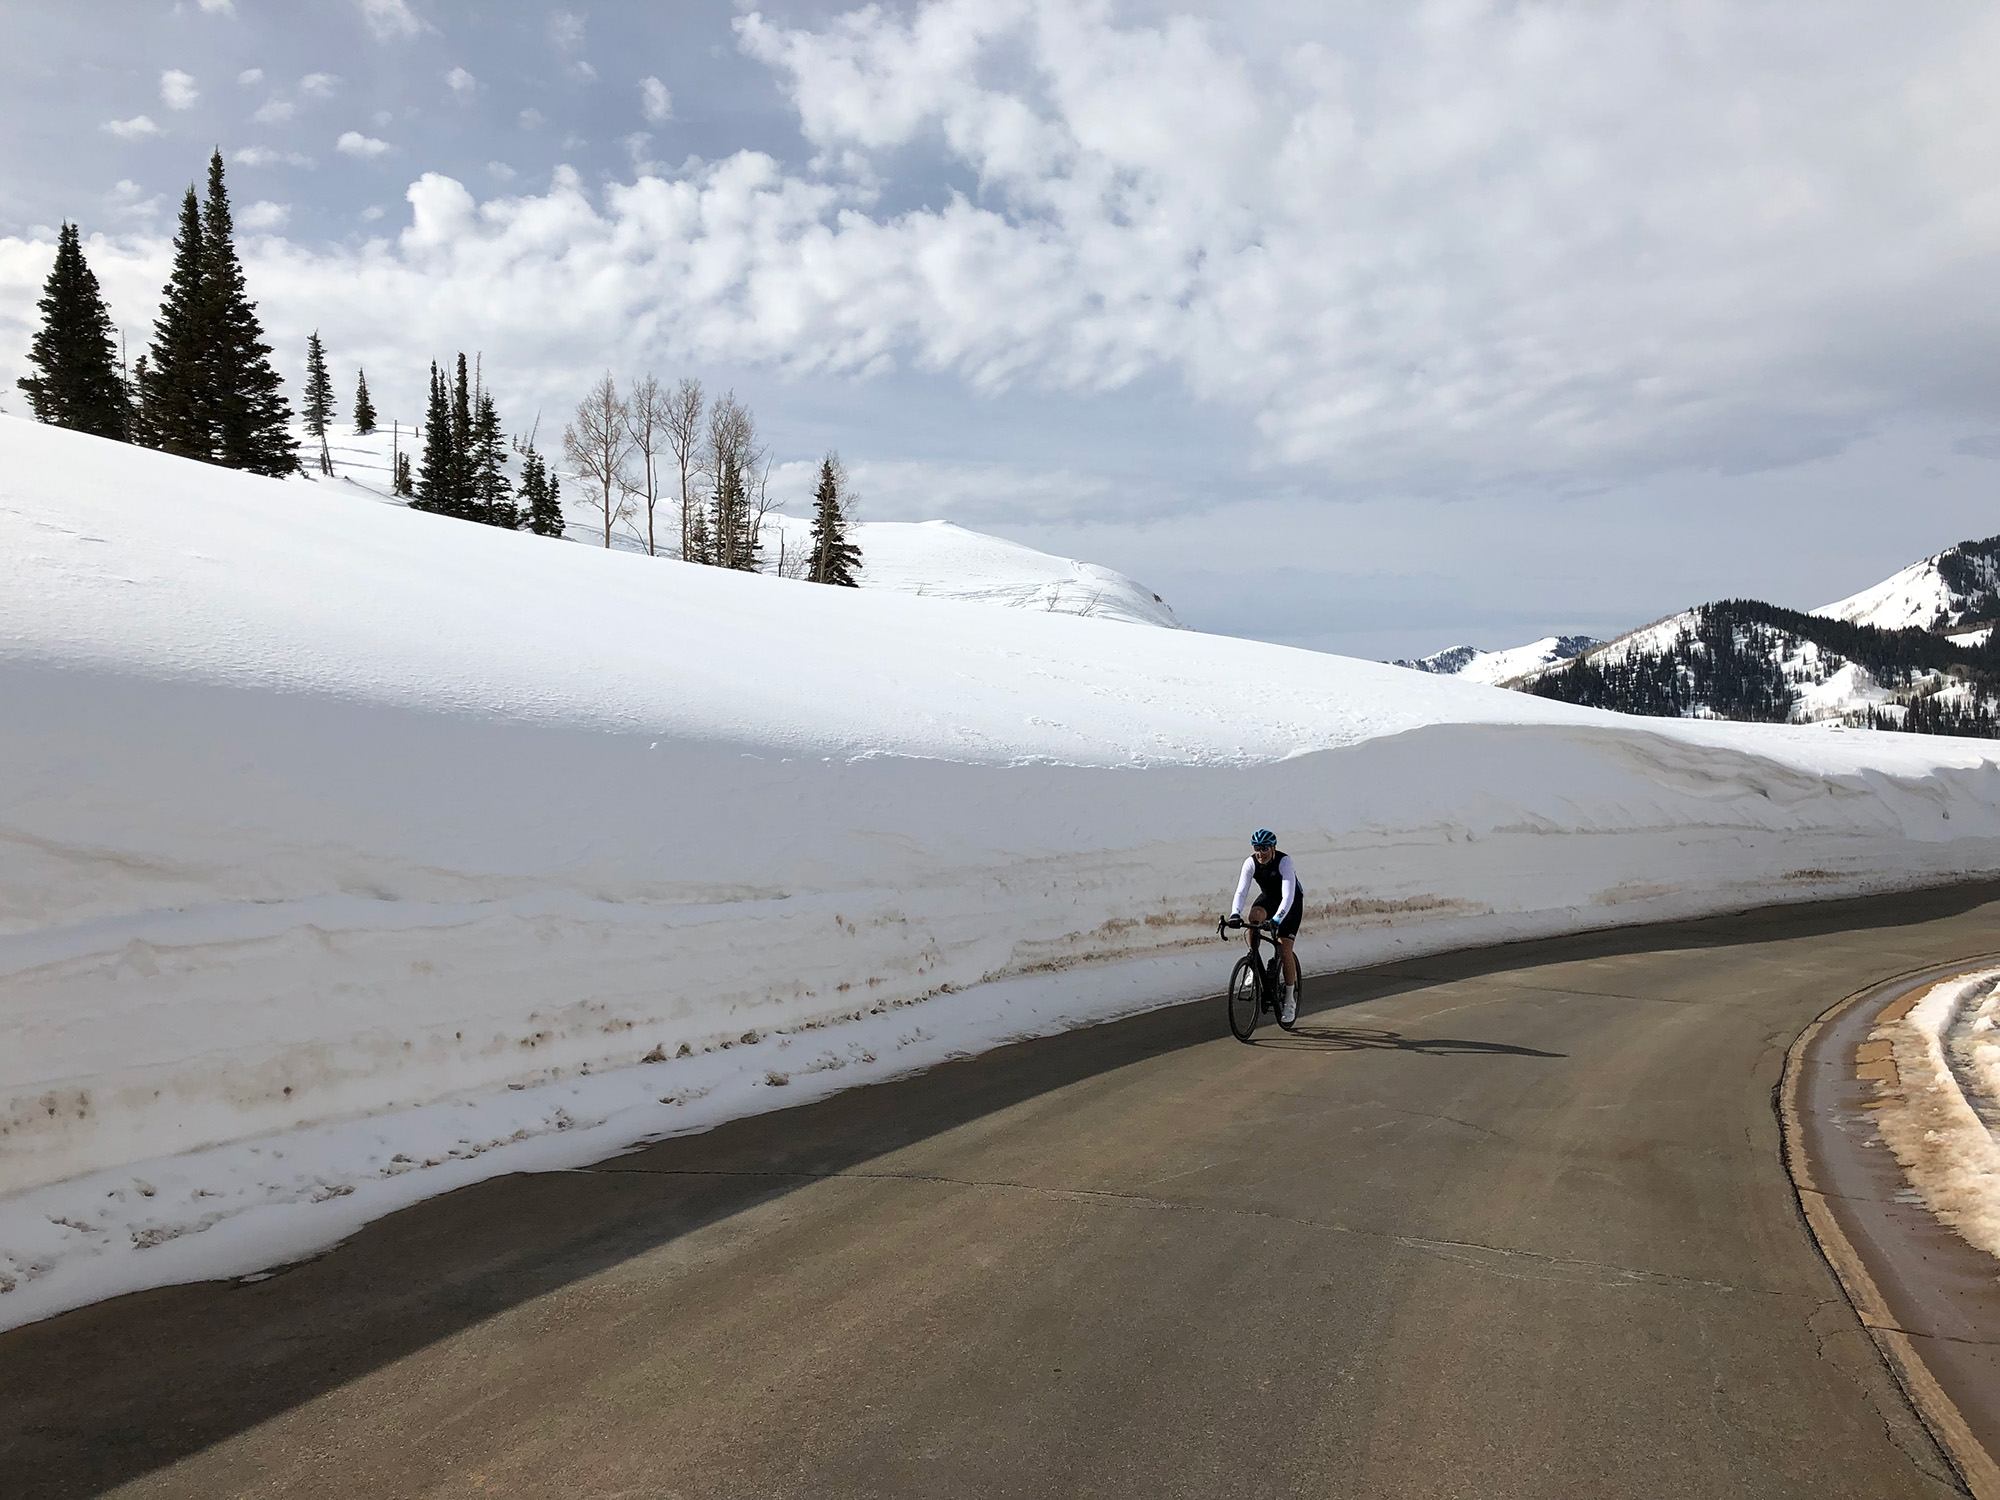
1499,1259
1917,1446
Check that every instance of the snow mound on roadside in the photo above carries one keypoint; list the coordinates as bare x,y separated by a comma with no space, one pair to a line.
349,854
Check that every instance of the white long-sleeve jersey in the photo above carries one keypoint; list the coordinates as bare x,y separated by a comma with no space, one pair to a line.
1289,887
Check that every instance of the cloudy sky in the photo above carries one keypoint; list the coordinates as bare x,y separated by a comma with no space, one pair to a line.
1367,328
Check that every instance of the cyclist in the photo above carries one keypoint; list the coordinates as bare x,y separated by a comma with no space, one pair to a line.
1279,899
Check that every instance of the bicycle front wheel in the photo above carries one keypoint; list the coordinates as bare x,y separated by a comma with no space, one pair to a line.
1246,998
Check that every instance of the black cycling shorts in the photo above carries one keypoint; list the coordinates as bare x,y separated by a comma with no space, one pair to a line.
1289,928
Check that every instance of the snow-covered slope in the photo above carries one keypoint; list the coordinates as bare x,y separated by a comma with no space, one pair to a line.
1495,667
349,854
941,560
934,558
1956,589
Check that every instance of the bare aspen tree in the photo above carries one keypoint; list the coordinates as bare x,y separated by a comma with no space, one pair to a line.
597,445
683,419
647,411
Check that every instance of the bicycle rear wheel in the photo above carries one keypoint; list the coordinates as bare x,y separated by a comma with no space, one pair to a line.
1246,998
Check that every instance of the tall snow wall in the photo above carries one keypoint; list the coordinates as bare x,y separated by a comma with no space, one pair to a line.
232,912
320,818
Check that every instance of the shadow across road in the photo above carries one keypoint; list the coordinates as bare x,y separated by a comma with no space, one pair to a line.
107,1394
1311,1038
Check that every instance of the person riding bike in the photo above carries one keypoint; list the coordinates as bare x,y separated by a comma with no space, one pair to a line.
1279,900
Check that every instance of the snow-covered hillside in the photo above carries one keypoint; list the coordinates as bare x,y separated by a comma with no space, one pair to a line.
350,854
940,560
933,558
1495,667
1957,588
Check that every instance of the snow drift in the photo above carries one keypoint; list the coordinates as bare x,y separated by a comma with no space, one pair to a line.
349,853
937,559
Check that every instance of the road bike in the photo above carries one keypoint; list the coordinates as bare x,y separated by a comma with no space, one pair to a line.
1256,985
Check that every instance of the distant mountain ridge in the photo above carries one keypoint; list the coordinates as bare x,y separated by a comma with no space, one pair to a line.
1496,667
1914,652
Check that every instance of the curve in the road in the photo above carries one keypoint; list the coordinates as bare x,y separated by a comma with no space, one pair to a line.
1503,1223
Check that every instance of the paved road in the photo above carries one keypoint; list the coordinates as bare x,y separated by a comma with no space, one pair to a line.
1506,1223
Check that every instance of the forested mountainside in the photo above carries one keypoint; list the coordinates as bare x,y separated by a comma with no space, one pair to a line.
1748,660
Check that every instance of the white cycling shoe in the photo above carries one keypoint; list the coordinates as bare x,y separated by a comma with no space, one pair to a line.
1288,1013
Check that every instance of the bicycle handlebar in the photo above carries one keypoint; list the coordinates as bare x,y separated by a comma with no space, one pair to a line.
1226,924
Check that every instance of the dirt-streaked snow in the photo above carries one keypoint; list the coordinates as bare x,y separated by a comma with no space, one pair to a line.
348,854
1934,1121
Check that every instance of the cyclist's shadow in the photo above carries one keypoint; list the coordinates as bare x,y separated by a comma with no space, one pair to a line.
1310,1037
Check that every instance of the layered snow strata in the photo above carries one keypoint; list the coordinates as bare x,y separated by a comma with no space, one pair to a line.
348,853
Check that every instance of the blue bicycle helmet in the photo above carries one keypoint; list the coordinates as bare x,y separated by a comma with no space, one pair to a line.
1263,838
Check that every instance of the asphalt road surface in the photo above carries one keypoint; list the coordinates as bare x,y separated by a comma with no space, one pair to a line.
1502,1223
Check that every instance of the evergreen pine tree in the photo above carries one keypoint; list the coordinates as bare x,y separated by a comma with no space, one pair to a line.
79,386
319,398
492,491
461,444
835,560
252,418
699,547
437,488
173,378
540,492
364,409
732,540
135,405
318,406
404,484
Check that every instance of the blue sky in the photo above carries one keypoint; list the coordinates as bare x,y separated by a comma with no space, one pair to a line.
1371,329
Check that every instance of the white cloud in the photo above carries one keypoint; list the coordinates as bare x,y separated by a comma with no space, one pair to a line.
250,76
319,85
654,101
1531,244
128,200
531,119
582,70
136,128
354,143
390,20
566,30
177,89
372,212
500,171
275,112
219,7
461,82
265,215
264,156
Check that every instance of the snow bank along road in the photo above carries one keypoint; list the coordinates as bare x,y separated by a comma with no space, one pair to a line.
349,855
1503,1223
1892,1149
